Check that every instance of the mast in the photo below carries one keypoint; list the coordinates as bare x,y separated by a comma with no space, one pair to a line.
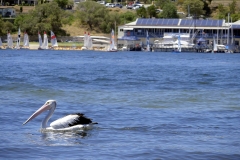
228,32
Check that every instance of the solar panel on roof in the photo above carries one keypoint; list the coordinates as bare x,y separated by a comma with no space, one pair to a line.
204,22
212,23
154,22
162,22
139,21
157,22
166,22
184,22
171,22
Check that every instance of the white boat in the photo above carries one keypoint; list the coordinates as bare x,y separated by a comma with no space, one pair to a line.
112,47
87,42
89,45
9,41
25,41
39,40
53,40
45,41
215,49
173,41
18,39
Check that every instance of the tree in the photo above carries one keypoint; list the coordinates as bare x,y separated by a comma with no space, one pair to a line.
151,10
44,17
5,27
221,12
8,27
195,6
111,22
62,3
142,12
91,13
206,7
232,7
169,11
161,3
127,17
235,17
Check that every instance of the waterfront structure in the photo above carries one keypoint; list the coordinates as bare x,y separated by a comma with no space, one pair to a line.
7,12
134,33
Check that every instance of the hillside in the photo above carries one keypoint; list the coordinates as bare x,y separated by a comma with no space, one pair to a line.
75,29
224,2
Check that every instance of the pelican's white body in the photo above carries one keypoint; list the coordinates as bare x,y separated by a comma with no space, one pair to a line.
63,124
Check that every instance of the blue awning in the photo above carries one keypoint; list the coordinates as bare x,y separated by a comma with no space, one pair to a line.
129,38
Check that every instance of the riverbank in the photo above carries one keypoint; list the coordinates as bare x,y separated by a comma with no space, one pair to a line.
64,46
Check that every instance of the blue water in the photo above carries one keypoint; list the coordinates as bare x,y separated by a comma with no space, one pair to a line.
148,105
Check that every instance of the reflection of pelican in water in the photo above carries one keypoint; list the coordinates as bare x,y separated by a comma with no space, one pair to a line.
63,138
70,122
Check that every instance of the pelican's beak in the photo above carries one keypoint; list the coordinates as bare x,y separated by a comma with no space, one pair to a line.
39,111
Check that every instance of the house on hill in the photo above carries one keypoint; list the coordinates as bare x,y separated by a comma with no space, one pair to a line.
7,12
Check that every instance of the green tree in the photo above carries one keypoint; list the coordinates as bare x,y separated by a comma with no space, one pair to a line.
91,13
232,7
235,17
169,11
195,6
151,10
221,12
112,21
5,27
161,3
8,26
1,24
206,8
127,17
142,12
62,3
44,17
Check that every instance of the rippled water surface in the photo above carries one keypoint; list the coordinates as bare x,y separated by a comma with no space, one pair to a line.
148,105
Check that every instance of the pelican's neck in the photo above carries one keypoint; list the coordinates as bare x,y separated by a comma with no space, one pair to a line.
48,116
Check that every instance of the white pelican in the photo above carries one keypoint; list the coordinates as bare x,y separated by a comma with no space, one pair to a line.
70,122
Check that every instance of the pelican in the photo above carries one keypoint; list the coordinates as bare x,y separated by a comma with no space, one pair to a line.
70,122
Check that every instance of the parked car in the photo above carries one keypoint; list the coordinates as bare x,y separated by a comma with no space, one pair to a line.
118,5
136,6
138,3
101,2
158,11
129,6
110,5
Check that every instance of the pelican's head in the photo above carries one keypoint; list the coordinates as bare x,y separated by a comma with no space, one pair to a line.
49,105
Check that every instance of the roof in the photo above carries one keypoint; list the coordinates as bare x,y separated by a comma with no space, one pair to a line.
179,22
